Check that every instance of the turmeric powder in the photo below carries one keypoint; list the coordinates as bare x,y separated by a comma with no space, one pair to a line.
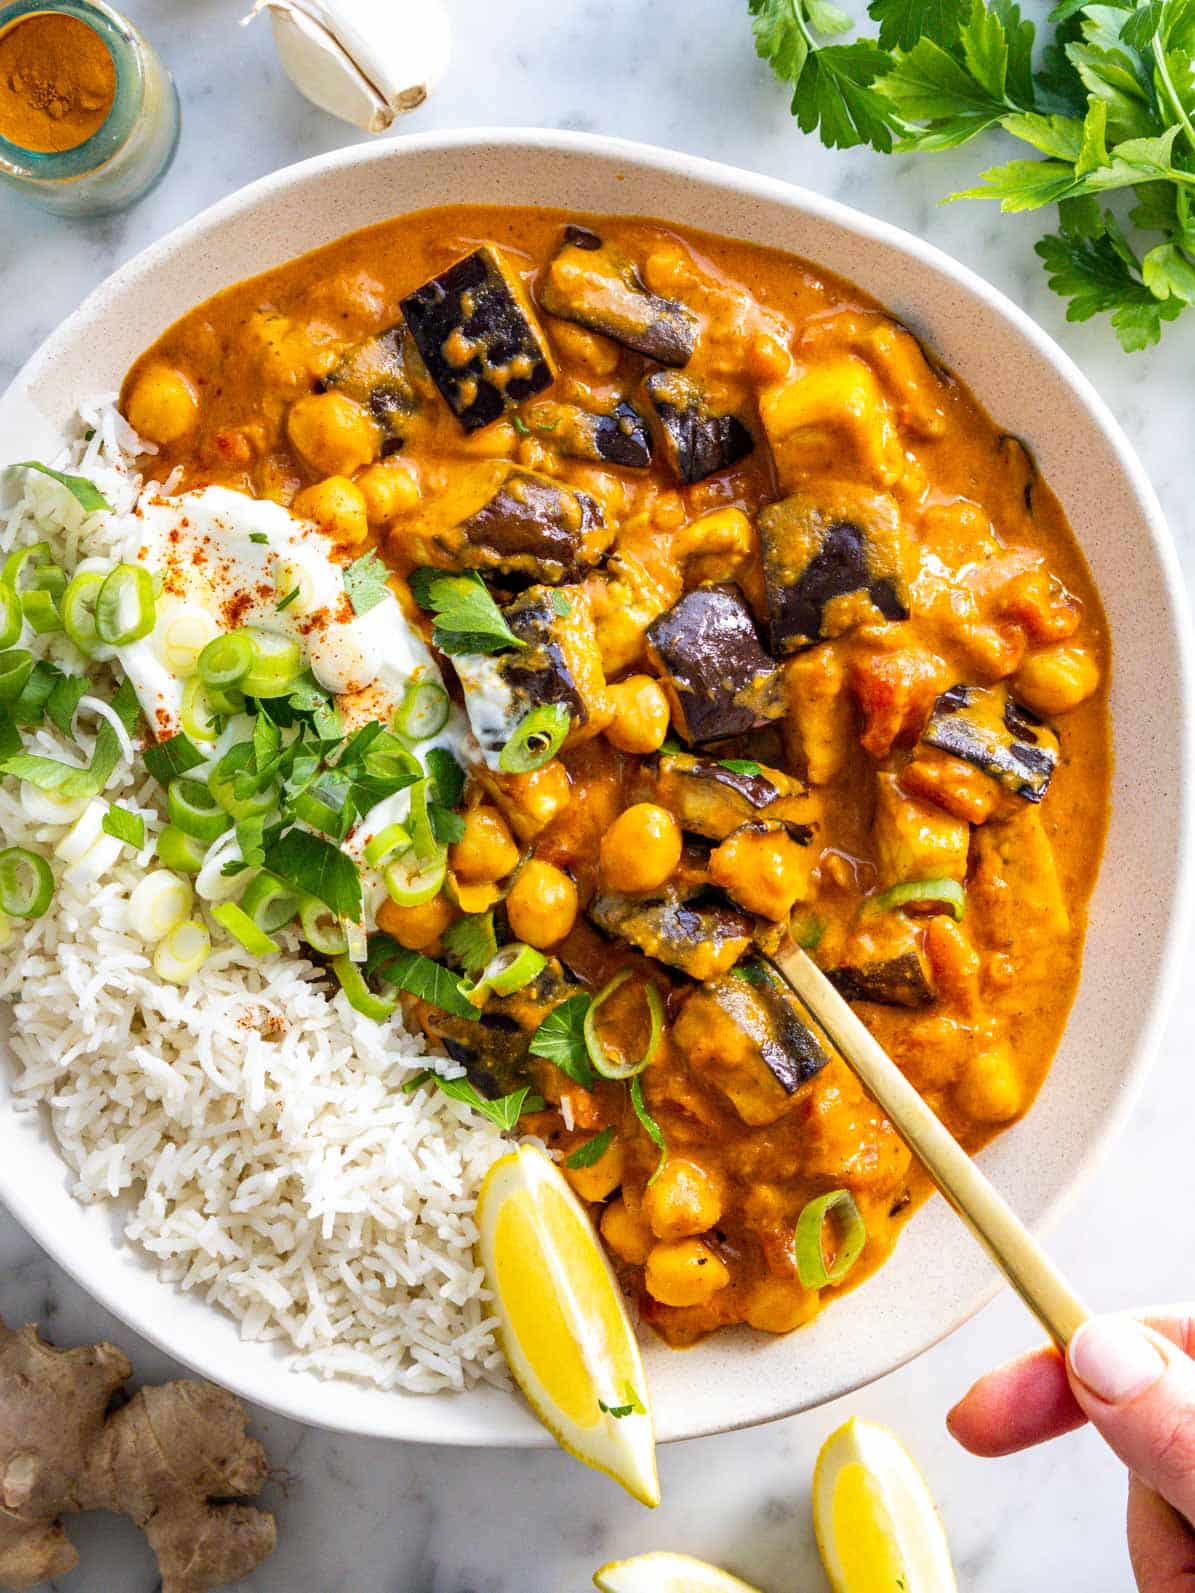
57,82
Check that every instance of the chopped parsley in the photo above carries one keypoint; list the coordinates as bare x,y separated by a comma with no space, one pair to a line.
467,618
592,1151
125,826
365,581
471,942
633,1407
560,1038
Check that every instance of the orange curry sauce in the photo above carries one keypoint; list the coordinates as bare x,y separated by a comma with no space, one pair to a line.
847,417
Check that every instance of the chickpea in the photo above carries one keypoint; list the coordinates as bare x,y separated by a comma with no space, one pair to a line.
542,905
389,490
163,405
337,507
332,433
603,1178
419,927
487,850
684,1272
682,1201
768,359
1056,678
626,1233
989,1090
640,849
595,354
777,1305
536,798
640,722
763,868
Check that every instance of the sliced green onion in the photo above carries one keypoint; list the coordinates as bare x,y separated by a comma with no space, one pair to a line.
360,997
223,788
321,815
322,930
244,929
16,666
394,838
125,607
159,903
183,952
226,661
46,807
184,636
12,615
182,852
537,739
411,880
41,611
513,967
270,903
198,714
26,883
650,1127
276,666
423,837
83,833
78,611
195,811
423,710
604,1063
22,561
948,892
49,578
837,1208
807,930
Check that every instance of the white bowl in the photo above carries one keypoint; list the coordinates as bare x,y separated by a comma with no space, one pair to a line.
937,1277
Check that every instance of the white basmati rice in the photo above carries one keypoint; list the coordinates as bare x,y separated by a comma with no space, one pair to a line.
253,1126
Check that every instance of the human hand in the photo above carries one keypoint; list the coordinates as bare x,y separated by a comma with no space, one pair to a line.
1135,1382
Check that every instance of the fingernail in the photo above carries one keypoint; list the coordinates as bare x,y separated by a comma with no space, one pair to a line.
1115,1358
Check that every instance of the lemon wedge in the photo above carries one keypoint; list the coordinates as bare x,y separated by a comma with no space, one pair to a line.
666,1573
876,1524
562,1323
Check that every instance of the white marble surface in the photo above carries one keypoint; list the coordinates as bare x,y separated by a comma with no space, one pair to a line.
368,1517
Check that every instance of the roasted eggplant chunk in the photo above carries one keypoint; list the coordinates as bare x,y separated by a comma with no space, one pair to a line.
594,284
477,333
706,798
555,665
820,551
718,678
375,374
701,938
618,436
745,1034
498,517
986,727
884,961
696,441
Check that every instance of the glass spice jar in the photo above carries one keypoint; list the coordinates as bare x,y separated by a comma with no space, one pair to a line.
89,120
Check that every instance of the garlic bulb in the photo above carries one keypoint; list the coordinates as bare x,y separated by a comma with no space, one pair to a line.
364,61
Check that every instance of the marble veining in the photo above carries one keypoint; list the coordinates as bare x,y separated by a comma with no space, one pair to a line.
357,1516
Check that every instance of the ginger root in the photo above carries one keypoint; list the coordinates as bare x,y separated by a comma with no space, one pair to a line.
175,1458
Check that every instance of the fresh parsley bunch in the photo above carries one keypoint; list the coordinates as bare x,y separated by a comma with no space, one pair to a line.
1108,108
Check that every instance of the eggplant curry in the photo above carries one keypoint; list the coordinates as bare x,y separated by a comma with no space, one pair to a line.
755,625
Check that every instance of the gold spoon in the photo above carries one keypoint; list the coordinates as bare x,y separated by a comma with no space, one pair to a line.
993,1222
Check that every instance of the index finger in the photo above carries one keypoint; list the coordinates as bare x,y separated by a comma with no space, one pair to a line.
1028,1400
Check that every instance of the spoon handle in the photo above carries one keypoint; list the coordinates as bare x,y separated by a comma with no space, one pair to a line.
993,1222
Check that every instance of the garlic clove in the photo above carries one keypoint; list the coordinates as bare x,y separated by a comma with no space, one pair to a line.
364,61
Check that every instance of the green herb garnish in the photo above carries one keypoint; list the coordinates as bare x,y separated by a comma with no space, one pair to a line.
741,765
1110,108
365,581
561,605
561,1039
85,493
650,1127
505,1111
418,975
592,1151
472,942
633,1407
467,618
310,864
286,601
166,760
64,700
259,537
67,781
125,826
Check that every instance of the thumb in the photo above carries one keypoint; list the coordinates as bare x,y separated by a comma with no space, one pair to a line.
1138,1389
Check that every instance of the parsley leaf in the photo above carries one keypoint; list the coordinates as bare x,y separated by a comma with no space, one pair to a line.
592,1151
63,701
561,1039
505,1111
365,581
472,942
66,780
85,493
419,975
1095,276
313,865
831,84
633,1407
125,826
741,765
467,618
